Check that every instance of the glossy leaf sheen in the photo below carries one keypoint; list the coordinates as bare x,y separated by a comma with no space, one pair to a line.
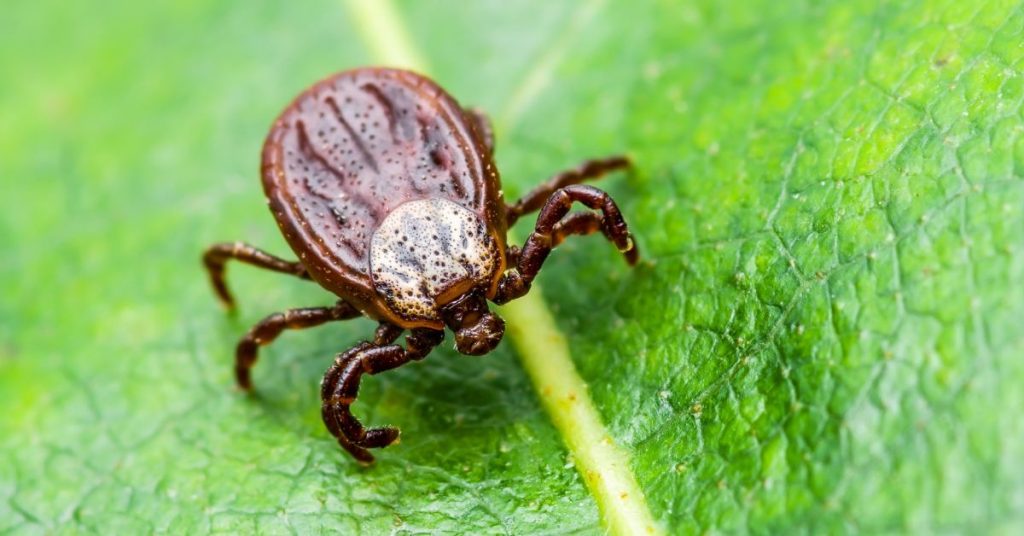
826,336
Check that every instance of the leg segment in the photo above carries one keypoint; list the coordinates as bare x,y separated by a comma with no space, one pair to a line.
270,327
584,223
590,169
580,223
483,124
218,254
341,386
553,225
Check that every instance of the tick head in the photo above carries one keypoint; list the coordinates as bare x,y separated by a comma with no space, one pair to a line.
477,330
480,336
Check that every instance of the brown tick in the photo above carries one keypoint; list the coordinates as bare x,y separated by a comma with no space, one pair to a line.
385,187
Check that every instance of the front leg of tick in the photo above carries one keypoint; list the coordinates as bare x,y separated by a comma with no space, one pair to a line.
554,224
588,170
341,386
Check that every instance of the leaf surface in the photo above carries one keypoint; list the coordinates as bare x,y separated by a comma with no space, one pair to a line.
824,336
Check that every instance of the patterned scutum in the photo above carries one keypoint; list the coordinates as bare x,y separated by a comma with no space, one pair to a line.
424,249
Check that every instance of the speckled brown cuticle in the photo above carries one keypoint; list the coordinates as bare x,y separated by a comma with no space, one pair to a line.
386,189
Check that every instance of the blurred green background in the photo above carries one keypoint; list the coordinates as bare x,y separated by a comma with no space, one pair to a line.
825,335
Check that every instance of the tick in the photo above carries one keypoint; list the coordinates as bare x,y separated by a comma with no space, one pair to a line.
386,189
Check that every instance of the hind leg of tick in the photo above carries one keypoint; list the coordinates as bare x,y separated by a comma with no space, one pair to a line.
264,333
217,255
554,224
341,386
588,170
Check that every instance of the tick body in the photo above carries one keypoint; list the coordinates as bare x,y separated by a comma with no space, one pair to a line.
386,189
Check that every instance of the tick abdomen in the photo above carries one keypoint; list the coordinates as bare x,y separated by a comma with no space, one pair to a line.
428,252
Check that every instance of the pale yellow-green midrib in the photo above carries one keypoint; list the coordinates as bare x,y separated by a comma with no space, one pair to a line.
542,348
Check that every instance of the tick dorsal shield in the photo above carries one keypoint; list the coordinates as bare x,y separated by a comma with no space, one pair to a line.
428,248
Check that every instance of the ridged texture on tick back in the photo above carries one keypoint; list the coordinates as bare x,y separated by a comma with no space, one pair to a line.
350,151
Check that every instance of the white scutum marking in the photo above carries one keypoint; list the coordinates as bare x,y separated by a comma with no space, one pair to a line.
425,247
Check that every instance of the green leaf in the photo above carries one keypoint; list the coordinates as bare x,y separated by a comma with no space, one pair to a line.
824,335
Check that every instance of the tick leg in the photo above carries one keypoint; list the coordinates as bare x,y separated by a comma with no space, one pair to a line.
584,223
341,386
588,170
553,225
270,327
483,125
218,254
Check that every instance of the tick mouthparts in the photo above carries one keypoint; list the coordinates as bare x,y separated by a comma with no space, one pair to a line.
480,337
